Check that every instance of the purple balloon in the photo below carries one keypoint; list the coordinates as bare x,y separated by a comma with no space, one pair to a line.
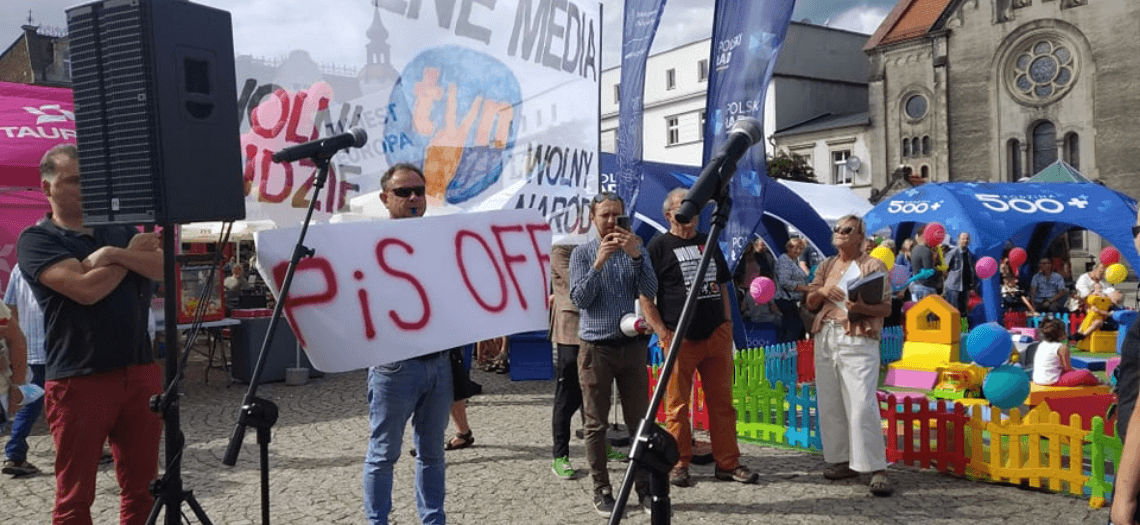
762,290
899,276
986,267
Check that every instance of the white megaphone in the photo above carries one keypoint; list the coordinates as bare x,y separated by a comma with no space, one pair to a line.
633,326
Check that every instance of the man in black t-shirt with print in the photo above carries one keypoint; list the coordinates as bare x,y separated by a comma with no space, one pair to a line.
706,348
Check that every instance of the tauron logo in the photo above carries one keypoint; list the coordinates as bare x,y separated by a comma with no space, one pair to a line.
50,113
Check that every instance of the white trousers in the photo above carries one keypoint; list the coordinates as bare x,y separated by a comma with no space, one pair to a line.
846,381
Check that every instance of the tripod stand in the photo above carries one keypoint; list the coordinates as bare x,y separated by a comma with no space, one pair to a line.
168,490
262,413
653,448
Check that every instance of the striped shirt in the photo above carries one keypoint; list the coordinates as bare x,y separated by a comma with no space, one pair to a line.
31,317
605,296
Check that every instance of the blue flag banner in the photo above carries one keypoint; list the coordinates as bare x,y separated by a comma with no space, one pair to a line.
746,40
638,30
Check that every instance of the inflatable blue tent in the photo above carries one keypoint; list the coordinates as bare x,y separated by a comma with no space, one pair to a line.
1028,215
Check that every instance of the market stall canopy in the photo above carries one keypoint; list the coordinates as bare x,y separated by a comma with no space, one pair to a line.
1058,171
21,208
32,120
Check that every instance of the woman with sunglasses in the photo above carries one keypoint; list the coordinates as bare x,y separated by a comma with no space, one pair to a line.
847,360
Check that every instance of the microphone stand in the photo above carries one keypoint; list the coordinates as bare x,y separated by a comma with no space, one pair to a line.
653,448
257,412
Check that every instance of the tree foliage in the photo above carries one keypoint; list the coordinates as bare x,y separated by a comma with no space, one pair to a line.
790,167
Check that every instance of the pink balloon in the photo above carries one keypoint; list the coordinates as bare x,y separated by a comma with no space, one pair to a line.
934,233
1017,257
1109,256
986,267
762,290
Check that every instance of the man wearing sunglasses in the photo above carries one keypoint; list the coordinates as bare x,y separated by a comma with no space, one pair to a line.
847,360
419,388
607,275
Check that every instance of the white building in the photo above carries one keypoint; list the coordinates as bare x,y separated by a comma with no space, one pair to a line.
819,83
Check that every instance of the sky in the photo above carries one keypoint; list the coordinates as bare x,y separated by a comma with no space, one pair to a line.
274,28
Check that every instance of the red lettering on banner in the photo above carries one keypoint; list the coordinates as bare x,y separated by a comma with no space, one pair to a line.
250,166
462,234
294,302
402,324
543,258
362,295
295,119
509,260
282,99
263,188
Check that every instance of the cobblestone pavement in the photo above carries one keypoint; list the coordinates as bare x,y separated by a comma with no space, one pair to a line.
318,446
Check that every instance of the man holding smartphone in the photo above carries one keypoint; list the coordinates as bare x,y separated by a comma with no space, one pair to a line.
607,275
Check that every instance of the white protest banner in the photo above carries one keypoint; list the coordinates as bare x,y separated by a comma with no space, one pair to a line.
497,102
381,291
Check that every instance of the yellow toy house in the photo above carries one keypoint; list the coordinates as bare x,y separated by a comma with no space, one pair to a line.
933,340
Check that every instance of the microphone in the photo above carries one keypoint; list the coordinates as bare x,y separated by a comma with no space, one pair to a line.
326,147
744,134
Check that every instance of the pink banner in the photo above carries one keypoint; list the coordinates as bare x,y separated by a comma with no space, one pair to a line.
32,120
22,208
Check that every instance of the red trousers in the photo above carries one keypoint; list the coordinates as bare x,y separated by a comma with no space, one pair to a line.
85,411
713,359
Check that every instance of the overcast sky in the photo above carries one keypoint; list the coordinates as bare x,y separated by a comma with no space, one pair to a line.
333,30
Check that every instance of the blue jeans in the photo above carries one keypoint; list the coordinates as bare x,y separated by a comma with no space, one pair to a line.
418,389
17,447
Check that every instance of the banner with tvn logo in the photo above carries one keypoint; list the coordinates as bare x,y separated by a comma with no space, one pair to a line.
497,102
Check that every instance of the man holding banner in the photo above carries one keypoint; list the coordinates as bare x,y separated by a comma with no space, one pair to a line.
419,388
607,275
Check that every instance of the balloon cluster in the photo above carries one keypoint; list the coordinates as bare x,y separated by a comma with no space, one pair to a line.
990,345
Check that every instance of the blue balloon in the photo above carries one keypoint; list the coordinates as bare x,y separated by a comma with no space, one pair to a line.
989,344
1006,387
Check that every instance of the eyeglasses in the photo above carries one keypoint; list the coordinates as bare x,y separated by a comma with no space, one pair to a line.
845,230
404,193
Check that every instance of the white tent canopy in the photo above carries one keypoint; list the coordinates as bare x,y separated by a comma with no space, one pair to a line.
829,201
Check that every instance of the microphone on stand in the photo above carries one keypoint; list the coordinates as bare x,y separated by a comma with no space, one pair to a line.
744,134
326,147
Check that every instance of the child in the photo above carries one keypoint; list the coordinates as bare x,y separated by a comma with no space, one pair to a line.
13,354
1012,298
1051,366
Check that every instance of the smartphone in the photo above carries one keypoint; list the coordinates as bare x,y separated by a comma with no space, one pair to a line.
623,222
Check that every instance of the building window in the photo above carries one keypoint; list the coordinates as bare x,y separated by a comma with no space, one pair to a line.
609,140
1073,150
915,146
1044,145
701,131
926,145
915,107
702,70
1042,71
1076,239
905,148
617,93
672,131
1013,159
924,172
839,172
670,78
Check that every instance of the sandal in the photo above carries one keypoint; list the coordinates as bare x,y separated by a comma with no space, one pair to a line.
881,485
463,440
837,471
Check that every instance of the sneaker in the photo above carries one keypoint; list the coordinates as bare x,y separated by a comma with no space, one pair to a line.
613,454
19,468
562,468
604,502
741,473
679,477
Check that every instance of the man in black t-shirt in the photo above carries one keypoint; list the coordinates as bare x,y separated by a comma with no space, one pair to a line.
706,348
94,287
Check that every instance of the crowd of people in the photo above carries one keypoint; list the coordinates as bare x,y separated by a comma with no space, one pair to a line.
80,296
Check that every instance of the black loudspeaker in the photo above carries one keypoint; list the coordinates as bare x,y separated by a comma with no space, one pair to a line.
156,113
